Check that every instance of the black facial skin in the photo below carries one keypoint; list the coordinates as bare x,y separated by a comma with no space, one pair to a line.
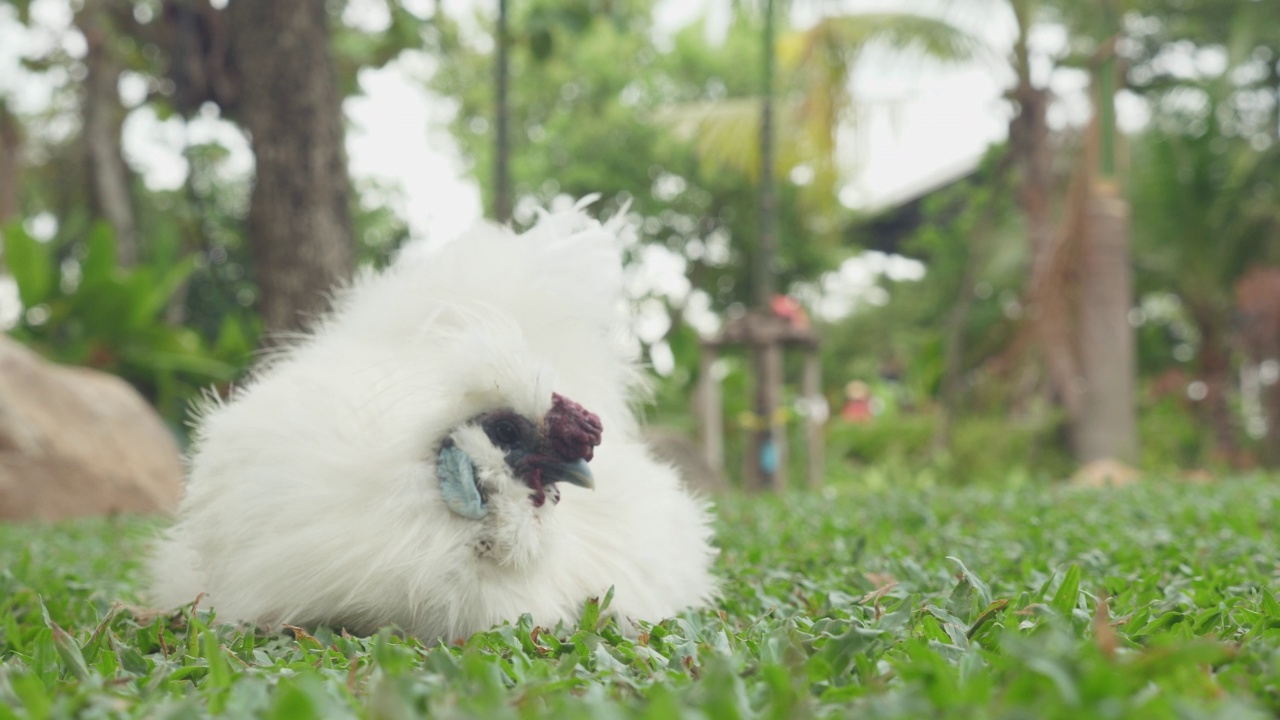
510,431
531,456
519,439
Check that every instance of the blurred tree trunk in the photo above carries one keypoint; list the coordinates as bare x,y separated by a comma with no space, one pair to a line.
1275,100
1079,308
1048,294
299,217
103,118
1258,313
1109,425
1271,441
1107,344
10,163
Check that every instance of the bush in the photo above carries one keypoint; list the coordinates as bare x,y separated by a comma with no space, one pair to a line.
982,448
89,311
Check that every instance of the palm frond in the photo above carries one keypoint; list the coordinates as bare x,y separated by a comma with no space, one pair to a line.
723,133
925,37
814,99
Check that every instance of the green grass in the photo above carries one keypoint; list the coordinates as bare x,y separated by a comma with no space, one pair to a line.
998,611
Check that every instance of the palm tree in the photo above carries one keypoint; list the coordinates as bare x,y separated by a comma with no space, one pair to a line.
1032,152
1107,344
1078,320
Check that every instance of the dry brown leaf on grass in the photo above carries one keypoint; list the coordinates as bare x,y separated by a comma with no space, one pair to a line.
884,583
1103,634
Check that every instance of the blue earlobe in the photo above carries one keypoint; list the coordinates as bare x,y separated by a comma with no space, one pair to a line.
458,484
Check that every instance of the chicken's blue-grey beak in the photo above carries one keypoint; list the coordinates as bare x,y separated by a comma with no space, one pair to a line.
574,473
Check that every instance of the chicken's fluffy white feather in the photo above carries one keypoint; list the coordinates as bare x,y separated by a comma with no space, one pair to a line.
315,491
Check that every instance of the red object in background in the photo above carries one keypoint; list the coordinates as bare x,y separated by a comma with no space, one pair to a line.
857,406
857,411
790,309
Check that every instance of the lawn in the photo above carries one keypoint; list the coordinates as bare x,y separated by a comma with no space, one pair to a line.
1150,601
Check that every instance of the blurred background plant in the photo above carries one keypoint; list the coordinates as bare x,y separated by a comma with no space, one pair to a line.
964,307
94,313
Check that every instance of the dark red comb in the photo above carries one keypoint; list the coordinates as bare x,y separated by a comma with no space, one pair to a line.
572,429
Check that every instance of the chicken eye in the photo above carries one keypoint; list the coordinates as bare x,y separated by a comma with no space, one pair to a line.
504,432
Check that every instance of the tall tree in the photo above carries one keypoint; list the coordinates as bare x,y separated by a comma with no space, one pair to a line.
299,217
1079,287
1107,341
1048,299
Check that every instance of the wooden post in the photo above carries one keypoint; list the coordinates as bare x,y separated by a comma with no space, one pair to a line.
776,379
811,387
712,410
767,337
768,432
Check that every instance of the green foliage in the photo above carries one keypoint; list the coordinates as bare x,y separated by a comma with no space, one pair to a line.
355,49
1033,601
1205,212
90,311
1171,437
583,122
1203,204
968,228
987,444
379,231
887,441
184,318
1248,33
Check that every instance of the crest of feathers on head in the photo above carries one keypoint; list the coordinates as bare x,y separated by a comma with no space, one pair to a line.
491,294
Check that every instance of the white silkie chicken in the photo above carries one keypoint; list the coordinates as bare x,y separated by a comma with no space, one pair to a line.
417,461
